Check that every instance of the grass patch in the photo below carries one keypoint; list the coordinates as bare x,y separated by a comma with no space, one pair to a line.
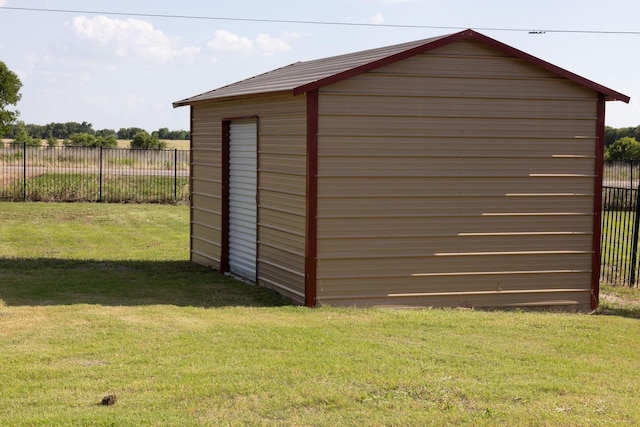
121,162
617,245
620,300
101,299
12,157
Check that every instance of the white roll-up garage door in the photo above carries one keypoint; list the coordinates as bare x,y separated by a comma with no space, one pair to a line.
243,188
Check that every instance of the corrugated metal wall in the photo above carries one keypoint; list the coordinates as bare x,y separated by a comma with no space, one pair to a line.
206,191
243,198
457,177
281,187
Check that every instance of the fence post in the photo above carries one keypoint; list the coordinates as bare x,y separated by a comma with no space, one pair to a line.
636,230
100,178
24,171
175,175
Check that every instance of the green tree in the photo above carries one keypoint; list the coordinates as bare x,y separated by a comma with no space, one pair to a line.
163,133
179,135
143,140
59,130
623,149
89,140
10,86
107,141
81,140
37,131
128,133
52,141
87,128
106,132
123,133
22,136
74,127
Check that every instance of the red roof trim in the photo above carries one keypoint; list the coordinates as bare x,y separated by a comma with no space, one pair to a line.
609,94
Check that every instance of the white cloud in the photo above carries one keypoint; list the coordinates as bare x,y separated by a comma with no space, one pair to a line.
270,45
135,40
225,41
377,18
131,39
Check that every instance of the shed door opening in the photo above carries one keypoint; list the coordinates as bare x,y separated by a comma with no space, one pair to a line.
243,189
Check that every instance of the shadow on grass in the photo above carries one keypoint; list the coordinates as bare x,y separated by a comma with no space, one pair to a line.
633,313
44,281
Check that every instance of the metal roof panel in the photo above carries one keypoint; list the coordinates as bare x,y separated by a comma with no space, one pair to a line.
301,77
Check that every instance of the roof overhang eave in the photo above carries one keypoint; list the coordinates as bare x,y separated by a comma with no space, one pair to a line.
203,100
615,96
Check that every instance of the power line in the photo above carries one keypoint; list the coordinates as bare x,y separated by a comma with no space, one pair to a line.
305,22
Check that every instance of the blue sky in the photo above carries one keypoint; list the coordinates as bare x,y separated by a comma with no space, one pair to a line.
125,70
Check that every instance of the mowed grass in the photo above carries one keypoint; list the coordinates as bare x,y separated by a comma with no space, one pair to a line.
101,299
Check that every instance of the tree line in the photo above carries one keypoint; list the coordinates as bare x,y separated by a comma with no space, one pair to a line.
65,130
83,135
622,144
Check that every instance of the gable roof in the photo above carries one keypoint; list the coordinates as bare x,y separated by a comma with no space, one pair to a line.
302,77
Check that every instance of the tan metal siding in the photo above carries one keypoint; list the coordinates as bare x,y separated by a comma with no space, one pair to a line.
470,167
458,185
206,181
427,146
478,127
465,87
445,107
281,187
448,224
458,283
457,177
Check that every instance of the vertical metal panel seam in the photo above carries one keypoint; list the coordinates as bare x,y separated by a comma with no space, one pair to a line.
597,202
224,220
311,241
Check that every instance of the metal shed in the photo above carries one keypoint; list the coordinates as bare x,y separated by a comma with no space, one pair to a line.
451,171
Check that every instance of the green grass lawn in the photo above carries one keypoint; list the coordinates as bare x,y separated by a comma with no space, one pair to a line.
100,299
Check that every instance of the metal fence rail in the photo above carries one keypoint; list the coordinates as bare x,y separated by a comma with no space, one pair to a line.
620,223
93,174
